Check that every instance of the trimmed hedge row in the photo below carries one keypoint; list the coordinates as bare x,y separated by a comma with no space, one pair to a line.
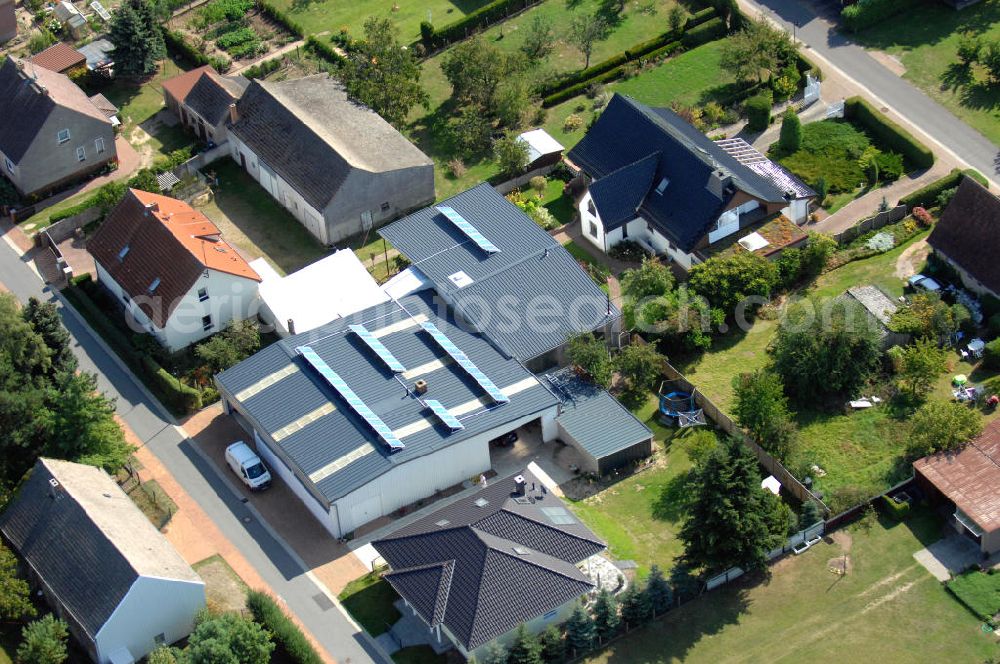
286,633
898,511
866,13
888,132
324,50
700,17
926,197
806,66
280,17
465,26
179,397
704,33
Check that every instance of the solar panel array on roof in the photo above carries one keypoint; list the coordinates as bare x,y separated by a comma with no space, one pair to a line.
378,347
464,362
468,229
352,399
444,415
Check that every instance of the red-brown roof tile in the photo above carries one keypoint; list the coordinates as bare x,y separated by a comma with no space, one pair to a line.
179,86
59,57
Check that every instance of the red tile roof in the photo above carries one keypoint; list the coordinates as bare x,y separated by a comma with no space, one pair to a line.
167,240
970,478
59,57
179,86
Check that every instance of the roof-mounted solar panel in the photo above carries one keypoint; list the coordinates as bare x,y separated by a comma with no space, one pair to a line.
352,399
463,361
378,348
444,415
468,229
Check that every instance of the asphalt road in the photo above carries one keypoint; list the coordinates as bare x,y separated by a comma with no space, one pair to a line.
283,572
904,98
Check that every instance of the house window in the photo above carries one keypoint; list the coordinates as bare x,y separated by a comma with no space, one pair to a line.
662,187
593,229
62,136
125,298
591,208
385,206
625,231
81,153
123,253
99,145
366,219
206,323
160,639
9,164
202,294
153,286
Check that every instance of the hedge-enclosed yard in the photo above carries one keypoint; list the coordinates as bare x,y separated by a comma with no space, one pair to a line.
887,133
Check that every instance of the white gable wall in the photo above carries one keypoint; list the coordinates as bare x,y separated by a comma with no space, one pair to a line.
153,606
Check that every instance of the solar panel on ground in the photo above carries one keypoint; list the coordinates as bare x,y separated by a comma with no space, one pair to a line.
378,347
352,399
467,228
444,415
463,360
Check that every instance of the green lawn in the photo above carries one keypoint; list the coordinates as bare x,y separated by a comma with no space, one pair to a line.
887,609
829,151
639,516
254,222
369,601
925,39
40,220
978,591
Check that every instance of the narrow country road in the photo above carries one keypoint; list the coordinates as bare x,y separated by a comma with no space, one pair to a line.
929,117
199,478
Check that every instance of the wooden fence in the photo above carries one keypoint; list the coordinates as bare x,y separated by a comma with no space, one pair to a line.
870,224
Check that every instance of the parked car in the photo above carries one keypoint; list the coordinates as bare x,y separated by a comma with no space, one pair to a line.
248,466
924,283
505,440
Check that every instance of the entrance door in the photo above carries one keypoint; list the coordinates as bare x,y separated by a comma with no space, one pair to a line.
243,161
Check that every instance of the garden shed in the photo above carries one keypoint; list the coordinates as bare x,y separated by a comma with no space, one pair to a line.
880,308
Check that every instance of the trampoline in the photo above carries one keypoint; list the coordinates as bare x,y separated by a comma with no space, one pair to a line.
678,406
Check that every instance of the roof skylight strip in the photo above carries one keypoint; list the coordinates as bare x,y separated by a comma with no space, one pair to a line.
378,348
444,415
352,399
463,360
467,228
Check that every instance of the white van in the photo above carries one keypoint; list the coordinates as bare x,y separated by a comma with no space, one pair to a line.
248,466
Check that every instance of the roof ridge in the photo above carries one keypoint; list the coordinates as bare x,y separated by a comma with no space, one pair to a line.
527,559
540,523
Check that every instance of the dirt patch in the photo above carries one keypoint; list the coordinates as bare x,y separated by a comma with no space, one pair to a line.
840,565
912,258
224,589
843,539
890,62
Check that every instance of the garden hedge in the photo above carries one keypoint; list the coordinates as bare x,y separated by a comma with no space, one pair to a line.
178,396
758,110
286,633
806,66
704,33
866,13
888,132
281,18
926,197
898,511
324,50
700,17
179,46
481,18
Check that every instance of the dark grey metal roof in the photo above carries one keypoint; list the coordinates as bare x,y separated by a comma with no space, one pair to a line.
594,418
628,132
340,435
503,294
85,570
510,563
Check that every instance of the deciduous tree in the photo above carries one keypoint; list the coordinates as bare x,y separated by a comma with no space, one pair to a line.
726,281
641,366
586,30
761,408
757,52
920,365
539,39
228,638
15,594
590,354
940,426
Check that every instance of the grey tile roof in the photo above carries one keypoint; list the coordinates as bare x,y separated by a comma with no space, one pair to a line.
510,563
619,195
628,131
506,288
594,418
311,134
212,94
313,447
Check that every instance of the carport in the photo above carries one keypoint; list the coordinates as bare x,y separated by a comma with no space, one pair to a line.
606,434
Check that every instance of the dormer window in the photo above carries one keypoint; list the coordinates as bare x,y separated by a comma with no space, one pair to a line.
662,187
123,253
63,136
153,286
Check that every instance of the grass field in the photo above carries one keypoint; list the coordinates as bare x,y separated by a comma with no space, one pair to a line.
639,516
224,589
369,601
926,39
887,609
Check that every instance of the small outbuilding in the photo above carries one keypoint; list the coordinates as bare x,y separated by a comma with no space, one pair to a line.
880,308
543,150
61,58
606,434
102,566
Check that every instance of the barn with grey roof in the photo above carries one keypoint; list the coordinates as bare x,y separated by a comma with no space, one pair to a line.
474,570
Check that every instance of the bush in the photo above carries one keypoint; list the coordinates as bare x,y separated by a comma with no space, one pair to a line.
179,397
704,33
887,132
805,66
758,110
927,196
178,46
324,51
991,355
286,634
897,510
224,10
629,251
867,13
790,139
264,68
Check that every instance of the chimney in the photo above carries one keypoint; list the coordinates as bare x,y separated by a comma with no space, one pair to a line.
420,387
291,326
519,485
718,181
233,114
153,207
54,488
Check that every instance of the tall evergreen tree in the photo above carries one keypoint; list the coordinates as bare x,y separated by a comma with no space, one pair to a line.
137,37
43,641
606,617
658,590
525,649
44,319
730,522
553,646
581,633
636,607
495,654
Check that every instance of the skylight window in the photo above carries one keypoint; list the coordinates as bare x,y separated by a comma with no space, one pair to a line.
153,286
123,253
481,502
662,187
558,515
460,279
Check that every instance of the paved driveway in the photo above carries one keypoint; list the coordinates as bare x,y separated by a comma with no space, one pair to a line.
949,556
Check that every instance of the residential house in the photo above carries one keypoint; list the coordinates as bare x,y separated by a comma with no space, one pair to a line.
202,98
122,589
60,135
168,264
336,165
61,58
650,177
503,274
473,571
967,237
968,482
8,20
